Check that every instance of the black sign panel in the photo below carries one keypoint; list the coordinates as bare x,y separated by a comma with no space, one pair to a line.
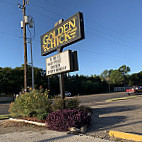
66,33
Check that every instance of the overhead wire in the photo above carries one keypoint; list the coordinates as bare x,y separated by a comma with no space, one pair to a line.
107,34
9,3
110,34
87,25
123,41
107,37
11,34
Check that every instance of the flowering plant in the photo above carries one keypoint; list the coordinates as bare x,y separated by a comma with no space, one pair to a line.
62,120
32,104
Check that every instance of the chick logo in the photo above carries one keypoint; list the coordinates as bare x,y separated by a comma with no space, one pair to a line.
62,35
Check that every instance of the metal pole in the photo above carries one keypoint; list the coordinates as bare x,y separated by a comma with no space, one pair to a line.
32,64
109,86
25,48
49,83
61,82
62,88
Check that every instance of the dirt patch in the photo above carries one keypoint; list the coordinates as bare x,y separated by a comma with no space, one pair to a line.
8,126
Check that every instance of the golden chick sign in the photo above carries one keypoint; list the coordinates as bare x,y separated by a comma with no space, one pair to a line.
66,33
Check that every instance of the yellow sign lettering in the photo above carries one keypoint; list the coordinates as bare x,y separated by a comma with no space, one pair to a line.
60,35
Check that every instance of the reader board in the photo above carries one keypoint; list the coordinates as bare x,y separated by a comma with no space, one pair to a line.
62,63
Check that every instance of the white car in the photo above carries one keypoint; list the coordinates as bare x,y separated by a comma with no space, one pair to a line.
67,93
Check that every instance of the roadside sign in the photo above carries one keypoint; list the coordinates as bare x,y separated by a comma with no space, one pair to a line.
66,33
63,62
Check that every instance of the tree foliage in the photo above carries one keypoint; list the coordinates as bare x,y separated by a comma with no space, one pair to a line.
12,80
116,77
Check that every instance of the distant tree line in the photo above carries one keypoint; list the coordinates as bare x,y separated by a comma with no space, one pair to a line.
12,80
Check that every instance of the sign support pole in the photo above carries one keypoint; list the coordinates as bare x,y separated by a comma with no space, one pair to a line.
77,30
62,87
25,48
61,81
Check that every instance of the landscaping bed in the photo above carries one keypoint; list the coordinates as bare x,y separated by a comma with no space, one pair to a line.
57,114
8,126
34,119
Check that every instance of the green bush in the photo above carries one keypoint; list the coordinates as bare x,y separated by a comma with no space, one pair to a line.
72,103
86,109
58,103
33,104
37,104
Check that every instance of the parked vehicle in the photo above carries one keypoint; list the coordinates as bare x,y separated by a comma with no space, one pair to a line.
67,94
135,90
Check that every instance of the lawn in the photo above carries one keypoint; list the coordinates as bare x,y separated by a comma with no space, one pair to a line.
5,116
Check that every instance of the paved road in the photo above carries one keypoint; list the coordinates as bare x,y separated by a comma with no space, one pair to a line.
86,99
4,108
47,136
122,116
100,97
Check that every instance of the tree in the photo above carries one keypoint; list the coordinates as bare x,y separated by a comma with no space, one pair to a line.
116,77
124,69
105,76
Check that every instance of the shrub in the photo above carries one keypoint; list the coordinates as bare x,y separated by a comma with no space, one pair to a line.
70,103
58,104
33,104
86,108
62,120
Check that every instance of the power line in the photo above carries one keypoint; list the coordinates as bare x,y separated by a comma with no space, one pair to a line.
89,25
115,37
48,10
105,36
9,3
111,35
11,34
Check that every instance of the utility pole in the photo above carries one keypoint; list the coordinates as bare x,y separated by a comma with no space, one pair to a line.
32,64
25,48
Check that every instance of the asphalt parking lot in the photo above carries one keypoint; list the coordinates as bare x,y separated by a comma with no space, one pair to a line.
4,107
120,115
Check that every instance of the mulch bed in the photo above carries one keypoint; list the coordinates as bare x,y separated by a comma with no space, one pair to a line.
8,123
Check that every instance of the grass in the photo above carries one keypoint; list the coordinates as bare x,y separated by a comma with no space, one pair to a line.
5,116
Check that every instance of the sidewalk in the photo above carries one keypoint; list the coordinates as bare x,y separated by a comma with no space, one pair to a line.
47,136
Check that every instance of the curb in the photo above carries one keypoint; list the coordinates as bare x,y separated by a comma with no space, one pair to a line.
26,121
123,98
126,136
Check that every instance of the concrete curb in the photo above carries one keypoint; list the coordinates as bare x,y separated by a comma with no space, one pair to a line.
126,136
26,121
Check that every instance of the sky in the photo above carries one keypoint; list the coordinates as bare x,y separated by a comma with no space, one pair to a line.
113,33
